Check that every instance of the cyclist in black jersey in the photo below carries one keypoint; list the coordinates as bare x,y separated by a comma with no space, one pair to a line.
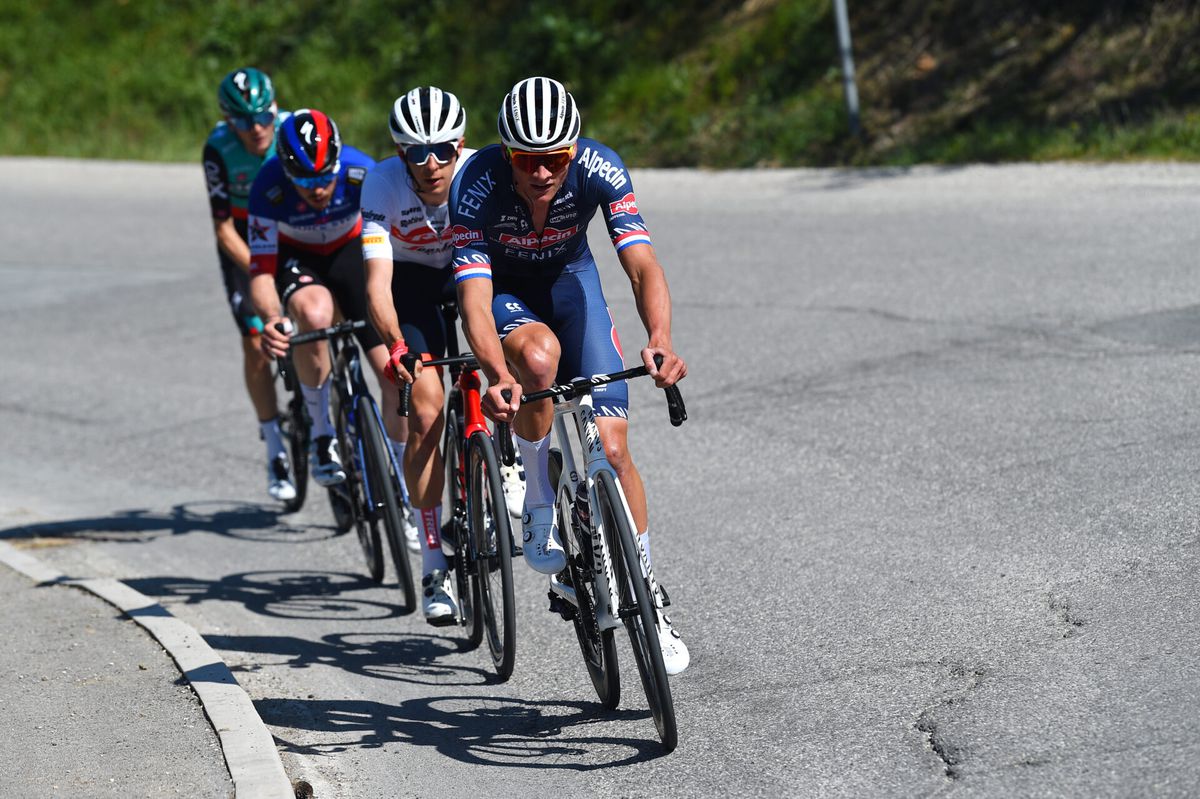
233,153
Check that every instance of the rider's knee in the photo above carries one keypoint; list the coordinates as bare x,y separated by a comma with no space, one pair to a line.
617,451
538,360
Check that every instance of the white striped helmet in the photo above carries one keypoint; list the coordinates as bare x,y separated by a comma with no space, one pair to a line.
427,115
538,115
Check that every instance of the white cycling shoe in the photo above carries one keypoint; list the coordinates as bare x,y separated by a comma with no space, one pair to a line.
438,600
326,462
542,547
513,479
674,652
279,482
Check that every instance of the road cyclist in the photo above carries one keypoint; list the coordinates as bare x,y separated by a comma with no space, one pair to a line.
406,249
233,154
304,224
532,305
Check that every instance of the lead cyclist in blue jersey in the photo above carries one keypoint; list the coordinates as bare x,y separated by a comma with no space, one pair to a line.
531,302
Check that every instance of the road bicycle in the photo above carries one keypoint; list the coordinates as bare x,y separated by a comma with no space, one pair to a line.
370,491
477,522
608,580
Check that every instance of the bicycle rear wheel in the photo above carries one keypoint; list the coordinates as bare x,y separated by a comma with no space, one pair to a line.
637,609
491,545
465,583
295,425
598,647
382,492
352,493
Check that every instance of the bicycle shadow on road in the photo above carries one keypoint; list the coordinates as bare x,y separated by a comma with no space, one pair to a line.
494,731
414,658
228,518
280,594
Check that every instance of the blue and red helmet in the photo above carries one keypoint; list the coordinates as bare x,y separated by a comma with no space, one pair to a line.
309,144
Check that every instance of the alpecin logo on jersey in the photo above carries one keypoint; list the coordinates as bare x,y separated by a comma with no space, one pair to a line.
625,205
594,162
464,236
550,236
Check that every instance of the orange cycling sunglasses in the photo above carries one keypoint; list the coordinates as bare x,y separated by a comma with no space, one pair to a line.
554,160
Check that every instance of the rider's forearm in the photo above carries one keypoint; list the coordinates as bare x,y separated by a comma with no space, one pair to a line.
479,327
264,297
232,244
381,307
651,295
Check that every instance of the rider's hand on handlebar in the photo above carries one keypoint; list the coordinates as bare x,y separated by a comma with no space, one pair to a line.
495,407
275,335
673,368
395,369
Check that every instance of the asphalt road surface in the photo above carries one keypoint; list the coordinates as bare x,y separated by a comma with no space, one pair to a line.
931,529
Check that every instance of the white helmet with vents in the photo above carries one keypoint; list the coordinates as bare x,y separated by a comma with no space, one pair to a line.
538,115
427,115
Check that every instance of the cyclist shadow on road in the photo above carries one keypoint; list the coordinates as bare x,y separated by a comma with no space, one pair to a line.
233,519
494,731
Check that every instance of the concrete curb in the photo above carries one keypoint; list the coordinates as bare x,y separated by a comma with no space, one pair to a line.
250,753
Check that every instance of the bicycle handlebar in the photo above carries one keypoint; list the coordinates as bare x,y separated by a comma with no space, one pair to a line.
340,329
582,385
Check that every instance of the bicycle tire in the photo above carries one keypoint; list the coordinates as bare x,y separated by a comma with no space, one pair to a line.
491,544
464,578
382,490
598,647
637,609
294,422
353,493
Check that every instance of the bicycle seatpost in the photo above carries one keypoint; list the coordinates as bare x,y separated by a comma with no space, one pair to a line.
408,360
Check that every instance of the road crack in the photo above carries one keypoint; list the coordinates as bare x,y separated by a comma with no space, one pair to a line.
965,680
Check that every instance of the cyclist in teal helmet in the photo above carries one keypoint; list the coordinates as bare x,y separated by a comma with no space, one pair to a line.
233,153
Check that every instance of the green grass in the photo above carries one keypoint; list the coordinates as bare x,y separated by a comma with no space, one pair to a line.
724,83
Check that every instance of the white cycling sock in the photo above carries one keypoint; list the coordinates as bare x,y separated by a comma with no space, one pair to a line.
536,455
643,540
317,400
273,436
398,450
431,540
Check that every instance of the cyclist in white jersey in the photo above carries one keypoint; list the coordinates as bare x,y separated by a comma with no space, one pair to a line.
407,245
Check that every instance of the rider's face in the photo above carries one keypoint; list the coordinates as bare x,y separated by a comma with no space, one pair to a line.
318,197
257,139
540,185
433,178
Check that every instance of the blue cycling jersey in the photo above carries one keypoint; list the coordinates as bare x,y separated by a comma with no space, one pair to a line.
493,230
278,214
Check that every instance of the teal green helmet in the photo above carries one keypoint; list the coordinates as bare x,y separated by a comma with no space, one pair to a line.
245,91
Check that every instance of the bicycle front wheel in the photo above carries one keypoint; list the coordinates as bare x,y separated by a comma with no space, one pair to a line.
491,538
349,499
636,608
382,491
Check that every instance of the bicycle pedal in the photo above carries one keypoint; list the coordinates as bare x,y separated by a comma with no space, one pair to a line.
560,606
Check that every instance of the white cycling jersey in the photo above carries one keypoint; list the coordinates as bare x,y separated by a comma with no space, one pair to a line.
397,225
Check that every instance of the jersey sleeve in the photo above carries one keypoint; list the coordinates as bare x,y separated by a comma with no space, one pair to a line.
468,202
377,217
217,177
608,175
262,228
